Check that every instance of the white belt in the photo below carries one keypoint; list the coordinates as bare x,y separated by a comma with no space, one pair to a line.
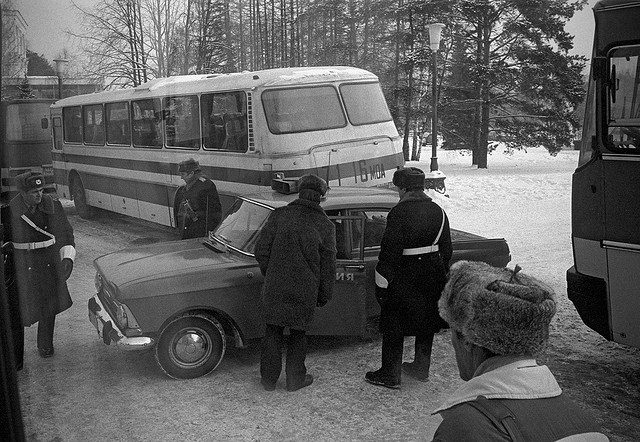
420,250
34,245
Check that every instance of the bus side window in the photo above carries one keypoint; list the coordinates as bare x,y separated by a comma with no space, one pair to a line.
146,123
117,122
72,124
93,124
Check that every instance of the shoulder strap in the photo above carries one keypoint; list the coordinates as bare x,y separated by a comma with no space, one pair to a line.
500,415
435,241
32,224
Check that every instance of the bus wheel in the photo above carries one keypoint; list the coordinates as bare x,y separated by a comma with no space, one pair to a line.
191,346
80,199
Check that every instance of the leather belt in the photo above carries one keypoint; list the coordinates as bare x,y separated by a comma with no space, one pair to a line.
420,250
34,245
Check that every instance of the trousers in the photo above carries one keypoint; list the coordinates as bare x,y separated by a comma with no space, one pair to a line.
271,356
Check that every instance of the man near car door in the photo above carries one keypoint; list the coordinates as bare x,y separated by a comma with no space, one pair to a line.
296,251
197,204
412,267
41,243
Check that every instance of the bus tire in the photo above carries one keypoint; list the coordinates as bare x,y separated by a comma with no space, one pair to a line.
79,198
191,346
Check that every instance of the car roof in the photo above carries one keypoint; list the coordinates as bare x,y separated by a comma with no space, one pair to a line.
336,198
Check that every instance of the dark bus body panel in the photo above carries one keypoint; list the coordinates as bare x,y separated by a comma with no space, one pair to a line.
604,282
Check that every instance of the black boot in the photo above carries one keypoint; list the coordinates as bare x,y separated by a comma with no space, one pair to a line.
419,368
390,374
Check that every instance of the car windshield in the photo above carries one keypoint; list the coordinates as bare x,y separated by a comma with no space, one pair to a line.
240,227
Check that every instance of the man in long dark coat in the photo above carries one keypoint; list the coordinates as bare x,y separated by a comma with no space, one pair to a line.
411,272
197,203
40,240
296,252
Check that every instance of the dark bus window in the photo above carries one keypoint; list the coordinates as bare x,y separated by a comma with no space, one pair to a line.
72,124
624,100
93,124
303,109
182,121
117,123
224,121
147,123
365,103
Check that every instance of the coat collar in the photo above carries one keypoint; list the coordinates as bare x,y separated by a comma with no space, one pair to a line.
19,207
504,377
307,203
415,195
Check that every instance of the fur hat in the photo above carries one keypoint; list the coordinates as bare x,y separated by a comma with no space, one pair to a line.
499,309
312,182
29,181
188,166
409,178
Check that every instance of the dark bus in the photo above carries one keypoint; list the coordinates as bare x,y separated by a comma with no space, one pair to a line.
604,282
26,142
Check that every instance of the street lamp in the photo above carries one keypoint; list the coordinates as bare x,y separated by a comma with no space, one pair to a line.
61,66
435,178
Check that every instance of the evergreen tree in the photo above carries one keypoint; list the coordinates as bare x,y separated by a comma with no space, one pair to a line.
37,64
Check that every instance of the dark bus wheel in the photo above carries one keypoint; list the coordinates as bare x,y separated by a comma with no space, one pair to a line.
80,199
191,346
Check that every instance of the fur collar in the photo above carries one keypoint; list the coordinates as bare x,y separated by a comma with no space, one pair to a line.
307,203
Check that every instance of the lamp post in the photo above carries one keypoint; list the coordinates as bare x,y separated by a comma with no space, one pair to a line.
435,178
61,65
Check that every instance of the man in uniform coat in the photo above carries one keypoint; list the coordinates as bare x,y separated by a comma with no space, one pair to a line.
411,272
296,251
197,204
41,243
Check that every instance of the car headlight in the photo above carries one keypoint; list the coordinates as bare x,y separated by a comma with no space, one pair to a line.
98,282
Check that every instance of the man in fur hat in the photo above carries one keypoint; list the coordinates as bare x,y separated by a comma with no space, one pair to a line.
197,210
499,320
412,266
40,240
296,252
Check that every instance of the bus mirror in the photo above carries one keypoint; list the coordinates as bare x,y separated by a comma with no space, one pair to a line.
44,123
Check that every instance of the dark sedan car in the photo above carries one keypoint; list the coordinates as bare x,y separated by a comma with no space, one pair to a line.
190,299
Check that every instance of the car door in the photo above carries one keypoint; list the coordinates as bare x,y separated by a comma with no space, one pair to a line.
346,314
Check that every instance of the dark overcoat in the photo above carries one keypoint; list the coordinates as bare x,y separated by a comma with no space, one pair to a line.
415,282
296,251
204,200
39,282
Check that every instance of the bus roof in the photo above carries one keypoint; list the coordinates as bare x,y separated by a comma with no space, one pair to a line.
189,84
615,24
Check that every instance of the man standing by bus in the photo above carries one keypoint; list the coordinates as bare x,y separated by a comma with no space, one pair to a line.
197,204
41,242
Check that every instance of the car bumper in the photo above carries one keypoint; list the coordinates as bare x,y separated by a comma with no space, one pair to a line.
109,332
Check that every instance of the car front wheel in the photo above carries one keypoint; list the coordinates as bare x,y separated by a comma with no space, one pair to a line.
191,346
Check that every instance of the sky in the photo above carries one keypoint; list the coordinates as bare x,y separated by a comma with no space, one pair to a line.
49,19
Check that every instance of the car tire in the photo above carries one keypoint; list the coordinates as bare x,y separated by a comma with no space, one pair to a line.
80,199
191,346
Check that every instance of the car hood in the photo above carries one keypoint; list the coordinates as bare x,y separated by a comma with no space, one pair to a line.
164,268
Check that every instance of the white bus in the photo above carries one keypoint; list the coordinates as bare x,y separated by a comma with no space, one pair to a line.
119,150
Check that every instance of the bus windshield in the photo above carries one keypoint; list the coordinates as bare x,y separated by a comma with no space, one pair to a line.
24,122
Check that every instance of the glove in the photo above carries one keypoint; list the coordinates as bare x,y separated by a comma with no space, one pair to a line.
67,268
381,295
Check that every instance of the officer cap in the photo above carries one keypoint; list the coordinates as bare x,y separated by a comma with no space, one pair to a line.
30,181
312,182
189,165
409,178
